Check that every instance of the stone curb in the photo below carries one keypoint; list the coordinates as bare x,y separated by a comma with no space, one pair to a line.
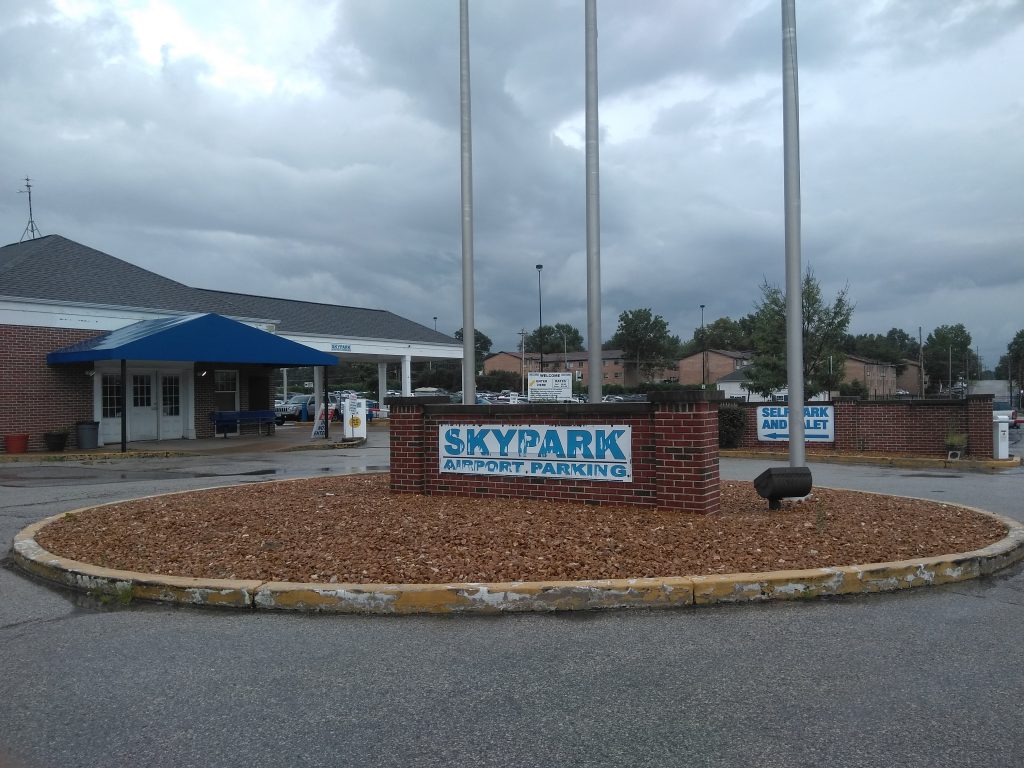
517,596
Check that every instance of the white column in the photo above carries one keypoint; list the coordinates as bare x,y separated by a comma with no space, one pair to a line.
406,375
382,382
318,388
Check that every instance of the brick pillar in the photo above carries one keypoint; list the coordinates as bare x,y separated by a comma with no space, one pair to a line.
686,449
847,426
979,426
408,451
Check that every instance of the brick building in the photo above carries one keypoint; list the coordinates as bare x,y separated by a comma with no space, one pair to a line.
615,370
56,294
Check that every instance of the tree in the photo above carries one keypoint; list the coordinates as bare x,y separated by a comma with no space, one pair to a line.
723,333
824,329
948,356
894,347
645,341
482,345
552,338
1011,365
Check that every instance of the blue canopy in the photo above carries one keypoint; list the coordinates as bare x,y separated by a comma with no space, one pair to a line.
207,338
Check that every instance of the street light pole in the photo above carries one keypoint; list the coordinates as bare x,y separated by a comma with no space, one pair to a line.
540,318
704,351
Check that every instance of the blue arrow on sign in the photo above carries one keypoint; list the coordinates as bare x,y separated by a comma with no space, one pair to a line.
785,436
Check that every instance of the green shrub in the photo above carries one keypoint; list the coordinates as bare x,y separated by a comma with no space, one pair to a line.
731,423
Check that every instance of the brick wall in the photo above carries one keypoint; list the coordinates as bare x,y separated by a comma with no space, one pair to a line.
253,395
674,450
35,397
916,427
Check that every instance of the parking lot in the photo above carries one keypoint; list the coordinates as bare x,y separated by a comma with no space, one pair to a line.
924,678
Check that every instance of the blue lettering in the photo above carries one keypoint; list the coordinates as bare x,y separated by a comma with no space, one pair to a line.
605,444
619,470
552,445
504,440
475,442
578,444
528,438
453,444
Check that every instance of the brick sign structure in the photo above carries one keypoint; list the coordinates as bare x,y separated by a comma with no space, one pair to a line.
564,452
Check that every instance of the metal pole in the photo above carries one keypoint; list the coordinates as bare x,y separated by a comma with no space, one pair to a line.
704,351
920,357
522,361
794,304
540,318
124,407
468,321
595,374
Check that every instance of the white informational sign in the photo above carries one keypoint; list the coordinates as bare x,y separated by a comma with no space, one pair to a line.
819,423
590,452
354,417
549,386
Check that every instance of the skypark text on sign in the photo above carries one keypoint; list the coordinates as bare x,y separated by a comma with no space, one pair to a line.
590,452
773,423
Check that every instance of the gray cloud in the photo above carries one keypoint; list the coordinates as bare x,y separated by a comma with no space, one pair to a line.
348,191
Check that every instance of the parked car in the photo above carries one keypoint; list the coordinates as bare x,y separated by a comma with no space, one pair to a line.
291,410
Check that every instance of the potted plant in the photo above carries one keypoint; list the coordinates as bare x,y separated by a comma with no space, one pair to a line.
956,442
56,440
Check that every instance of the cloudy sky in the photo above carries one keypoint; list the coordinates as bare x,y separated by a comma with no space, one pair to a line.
310,150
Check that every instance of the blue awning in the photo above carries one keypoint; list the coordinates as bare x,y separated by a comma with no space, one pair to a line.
208,338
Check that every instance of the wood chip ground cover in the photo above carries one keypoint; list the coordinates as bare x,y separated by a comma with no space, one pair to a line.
353,530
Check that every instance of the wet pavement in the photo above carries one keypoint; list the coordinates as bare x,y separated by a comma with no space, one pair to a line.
930,677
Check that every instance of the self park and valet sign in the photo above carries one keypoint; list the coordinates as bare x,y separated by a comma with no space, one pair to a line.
588,452
819,423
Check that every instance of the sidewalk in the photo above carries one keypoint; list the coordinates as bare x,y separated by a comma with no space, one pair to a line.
291,436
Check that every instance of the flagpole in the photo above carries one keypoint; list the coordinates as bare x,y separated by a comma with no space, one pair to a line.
468,321
794,304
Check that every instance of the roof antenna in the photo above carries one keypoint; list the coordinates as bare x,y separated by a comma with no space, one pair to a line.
30,228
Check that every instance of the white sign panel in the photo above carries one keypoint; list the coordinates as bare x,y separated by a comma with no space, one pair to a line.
549,386
819,423
354,416
590,452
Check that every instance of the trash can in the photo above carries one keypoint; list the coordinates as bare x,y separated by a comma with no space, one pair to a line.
88,434
15,443
1000,437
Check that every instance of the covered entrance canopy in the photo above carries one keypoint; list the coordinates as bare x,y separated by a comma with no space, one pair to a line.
208,338
192,338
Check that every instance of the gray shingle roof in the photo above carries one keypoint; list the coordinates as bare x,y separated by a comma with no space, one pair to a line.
53,268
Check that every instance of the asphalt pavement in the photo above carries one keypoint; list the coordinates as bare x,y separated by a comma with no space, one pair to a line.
929,677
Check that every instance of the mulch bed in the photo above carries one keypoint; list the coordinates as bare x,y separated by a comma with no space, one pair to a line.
353,530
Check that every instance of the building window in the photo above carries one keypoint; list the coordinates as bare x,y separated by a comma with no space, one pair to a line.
111,395
142,391
225,396
171,395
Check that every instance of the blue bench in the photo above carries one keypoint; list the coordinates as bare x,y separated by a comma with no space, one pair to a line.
225,420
